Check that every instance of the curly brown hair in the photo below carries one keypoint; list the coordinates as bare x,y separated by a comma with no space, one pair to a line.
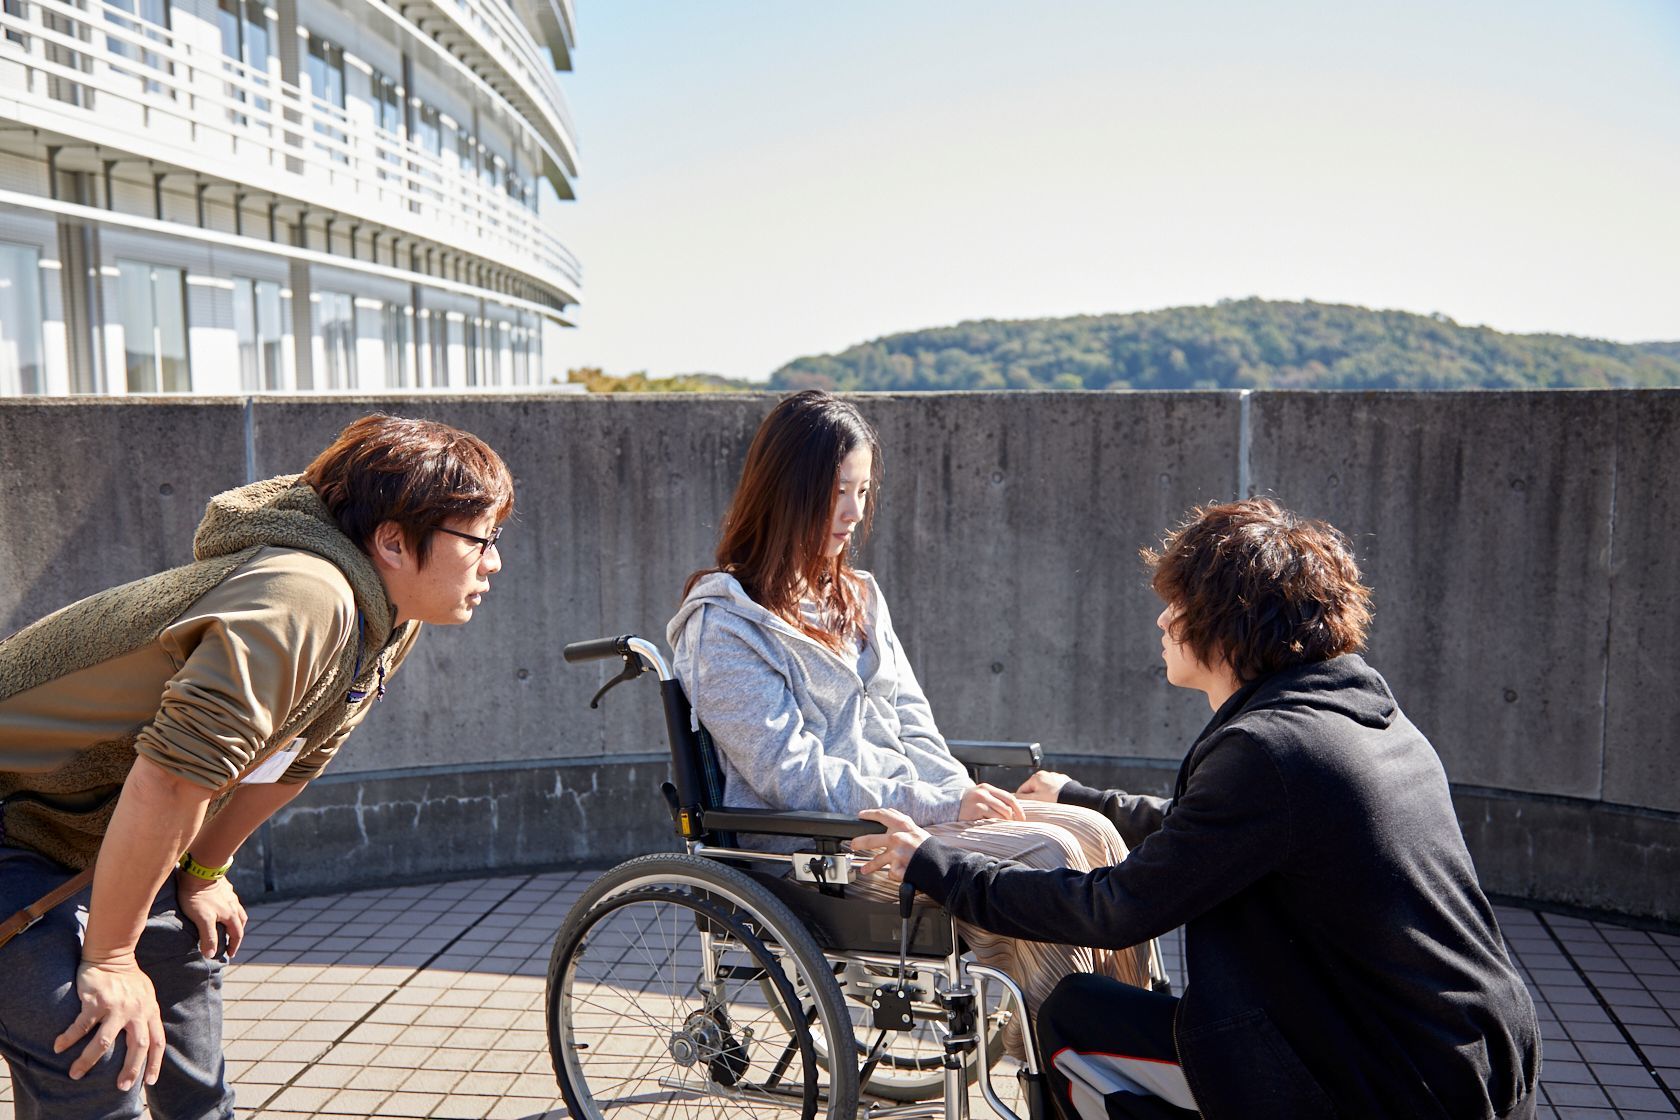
1260,588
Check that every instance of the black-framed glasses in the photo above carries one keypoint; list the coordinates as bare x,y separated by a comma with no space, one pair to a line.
485,544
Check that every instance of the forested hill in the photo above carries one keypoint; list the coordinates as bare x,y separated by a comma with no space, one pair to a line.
1242,344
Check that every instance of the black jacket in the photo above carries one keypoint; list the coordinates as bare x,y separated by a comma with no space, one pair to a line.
1342,959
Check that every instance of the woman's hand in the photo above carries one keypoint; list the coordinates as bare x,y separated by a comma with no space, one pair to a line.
1045,785
117,999
211,903
987,801
893,848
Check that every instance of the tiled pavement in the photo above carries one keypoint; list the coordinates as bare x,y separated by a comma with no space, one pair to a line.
426,1001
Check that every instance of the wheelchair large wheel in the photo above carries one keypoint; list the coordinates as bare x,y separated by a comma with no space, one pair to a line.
680,988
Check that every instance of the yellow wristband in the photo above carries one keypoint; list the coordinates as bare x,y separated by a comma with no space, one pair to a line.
192,867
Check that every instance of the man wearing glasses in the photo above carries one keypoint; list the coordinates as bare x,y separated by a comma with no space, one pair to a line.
147,731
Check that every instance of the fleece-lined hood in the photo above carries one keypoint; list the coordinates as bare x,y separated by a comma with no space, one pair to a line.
281,512
285,512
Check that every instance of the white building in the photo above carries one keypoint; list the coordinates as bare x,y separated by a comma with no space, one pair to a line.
226,196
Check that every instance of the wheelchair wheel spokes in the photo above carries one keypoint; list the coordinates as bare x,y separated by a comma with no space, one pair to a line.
653,1033
667,1000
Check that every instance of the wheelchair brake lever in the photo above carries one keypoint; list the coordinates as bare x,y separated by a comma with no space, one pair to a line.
891,1004
633,668
906,907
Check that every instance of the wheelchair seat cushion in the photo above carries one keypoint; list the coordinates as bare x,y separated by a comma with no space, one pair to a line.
862,925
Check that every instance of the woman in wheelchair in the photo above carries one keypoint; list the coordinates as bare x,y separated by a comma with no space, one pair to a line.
790,660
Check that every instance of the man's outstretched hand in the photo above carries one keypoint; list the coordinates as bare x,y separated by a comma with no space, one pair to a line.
117,1000
892,848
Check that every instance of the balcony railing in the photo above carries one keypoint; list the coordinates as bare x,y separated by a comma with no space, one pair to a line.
102,76
506,42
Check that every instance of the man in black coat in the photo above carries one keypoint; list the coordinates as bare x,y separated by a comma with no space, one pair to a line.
1342,959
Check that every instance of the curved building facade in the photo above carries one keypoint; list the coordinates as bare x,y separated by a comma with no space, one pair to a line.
228,196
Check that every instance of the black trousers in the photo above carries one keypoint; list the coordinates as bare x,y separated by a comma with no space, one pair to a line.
1103,1046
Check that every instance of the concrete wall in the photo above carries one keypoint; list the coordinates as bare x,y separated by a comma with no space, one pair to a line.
1522,548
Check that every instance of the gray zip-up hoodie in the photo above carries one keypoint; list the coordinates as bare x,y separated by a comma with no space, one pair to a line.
796,727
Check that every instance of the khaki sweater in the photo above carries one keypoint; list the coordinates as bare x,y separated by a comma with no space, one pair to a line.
205,670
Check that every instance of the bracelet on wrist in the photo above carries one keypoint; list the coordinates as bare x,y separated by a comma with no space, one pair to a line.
192,867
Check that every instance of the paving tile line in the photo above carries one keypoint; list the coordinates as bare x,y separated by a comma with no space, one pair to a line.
1610,1011
383,1000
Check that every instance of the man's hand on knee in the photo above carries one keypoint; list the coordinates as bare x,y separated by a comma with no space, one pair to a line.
892,849
117,1000
1044,785
211,903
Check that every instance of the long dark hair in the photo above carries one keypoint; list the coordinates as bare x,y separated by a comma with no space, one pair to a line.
773,535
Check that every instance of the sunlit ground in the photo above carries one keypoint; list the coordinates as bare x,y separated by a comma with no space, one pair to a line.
427,1001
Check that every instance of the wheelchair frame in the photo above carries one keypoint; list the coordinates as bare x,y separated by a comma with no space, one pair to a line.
740,902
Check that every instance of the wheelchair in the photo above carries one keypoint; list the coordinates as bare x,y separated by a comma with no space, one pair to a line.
722,980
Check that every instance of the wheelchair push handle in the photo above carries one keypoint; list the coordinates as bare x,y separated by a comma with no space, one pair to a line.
638,654
597,649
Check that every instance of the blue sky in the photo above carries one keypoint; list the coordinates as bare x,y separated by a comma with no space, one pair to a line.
765,180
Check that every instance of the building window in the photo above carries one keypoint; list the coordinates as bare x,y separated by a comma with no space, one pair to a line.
467,335
429,131
531,350
466,153
428,135
144,19
18,11
455,349
422,348
387,103
388,119
521,355
515,186
336,327
434,349
154,320
257,317
21,370
501,366
323,65
246,40
394,329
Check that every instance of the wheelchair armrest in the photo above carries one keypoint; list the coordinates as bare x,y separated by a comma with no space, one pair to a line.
776,822
994,752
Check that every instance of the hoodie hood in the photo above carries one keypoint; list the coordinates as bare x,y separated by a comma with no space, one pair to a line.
285,512
724,592
798,725
1343,686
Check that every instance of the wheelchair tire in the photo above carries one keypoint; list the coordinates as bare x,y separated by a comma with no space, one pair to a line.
637,1027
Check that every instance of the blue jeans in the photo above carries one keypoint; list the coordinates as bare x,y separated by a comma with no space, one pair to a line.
38,1001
